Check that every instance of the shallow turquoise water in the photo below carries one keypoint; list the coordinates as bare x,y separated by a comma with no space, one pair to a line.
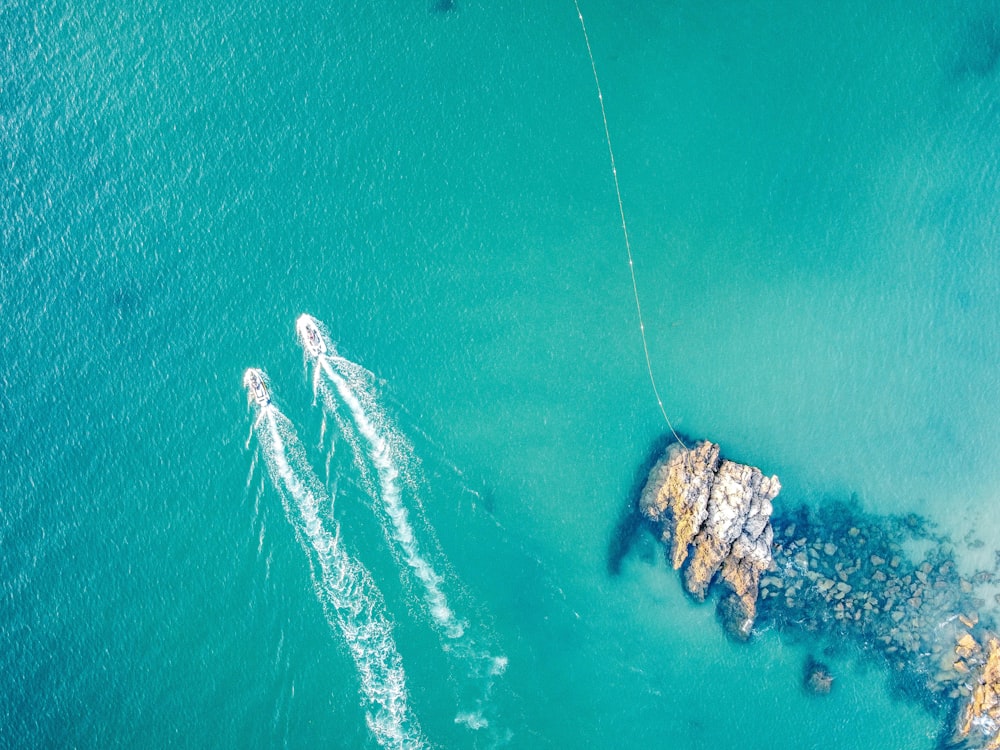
812,196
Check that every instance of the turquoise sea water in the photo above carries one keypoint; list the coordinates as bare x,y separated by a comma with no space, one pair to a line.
812,195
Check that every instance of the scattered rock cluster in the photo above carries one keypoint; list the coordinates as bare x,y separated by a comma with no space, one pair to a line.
715,515
846,575
835,572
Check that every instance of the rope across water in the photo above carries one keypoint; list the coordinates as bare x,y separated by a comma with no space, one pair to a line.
621,211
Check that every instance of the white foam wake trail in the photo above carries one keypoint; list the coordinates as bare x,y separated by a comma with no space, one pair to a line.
380,454
390,472
346,430
350,599
395,464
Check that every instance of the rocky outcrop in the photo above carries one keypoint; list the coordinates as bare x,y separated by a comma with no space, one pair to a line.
716,516
889,584
747,561
677,492
979,723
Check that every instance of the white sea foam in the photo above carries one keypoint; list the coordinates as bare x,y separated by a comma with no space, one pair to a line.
472,719
391,475
250,474
390,495
349,433
350,599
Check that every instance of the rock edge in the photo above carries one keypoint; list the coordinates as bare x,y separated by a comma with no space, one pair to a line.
716,516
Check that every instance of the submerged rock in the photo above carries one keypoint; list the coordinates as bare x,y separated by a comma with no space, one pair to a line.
839,574
816,677
717,515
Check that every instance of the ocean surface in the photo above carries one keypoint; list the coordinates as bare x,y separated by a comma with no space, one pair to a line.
813,199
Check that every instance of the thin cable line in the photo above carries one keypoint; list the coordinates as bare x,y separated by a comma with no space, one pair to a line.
621,211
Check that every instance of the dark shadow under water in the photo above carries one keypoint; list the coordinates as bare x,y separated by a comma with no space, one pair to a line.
442,7
631,521
849,582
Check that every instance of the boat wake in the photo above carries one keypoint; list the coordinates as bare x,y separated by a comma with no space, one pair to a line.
351,601
379,453
390,474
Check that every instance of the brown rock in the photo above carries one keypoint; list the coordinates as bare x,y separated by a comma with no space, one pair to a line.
737,622
817,678
742,569
970,621
717,516
981,715
677,493
739,503
967,641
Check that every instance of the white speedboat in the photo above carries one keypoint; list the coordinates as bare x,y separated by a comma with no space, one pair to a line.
310,335
253,379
